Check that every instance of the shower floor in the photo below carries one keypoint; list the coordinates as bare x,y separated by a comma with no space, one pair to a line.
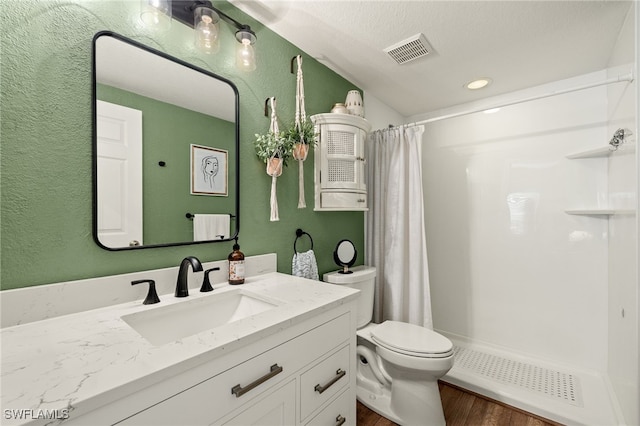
548,390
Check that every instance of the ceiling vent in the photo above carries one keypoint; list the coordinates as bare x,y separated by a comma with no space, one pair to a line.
407,50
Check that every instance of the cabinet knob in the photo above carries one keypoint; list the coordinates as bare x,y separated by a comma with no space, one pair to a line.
340,420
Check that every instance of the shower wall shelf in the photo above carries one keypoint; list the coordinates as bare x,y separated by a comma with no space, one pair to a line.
615,146
601,152
599,212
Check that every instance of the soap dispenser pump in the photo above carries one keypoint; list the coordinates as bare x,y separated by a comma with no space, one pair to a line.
236,265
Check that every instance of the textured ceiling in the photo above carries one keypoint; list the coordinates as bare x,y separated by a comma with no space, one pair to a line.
518,44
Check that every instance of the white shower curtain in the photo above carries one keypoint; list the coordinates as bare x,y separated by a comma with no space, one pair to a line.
396,243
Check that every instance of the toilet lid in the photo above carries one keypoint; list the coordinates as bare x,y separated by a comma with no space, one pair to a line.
411,339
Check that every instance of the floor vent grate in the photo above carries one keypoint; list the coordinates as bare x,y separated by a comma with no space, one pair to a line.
555,384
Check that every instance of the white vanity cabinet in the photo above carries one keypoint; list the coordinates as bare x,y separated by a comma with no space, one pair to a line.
304,374
292,363
340,163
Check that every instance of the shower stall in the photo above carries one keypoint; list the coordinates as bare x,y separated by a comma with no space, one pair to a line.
532,237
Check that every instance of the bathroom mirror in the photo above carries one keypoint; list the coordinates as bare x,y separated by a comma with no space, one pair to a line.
345,255
165,148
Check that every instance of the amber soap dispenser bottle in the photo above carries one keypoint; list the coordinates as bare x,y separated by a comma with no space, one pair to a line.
236,265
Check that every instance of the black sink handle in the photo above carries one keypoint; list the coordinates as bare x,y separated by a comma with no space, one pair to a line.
206,284
152,296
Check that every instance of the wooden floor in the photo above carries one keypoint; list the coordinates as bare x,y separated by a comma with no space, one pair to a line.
465,408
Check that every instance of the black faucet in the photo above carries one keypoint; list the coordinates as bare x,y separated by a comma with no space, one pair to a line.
182,289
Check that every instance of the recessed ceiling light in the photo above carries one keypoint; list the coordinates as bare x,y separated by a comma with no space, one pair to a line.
478,84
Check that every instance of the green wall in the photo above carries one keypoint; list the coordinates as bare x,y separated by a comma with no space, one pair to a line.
168,130
45,148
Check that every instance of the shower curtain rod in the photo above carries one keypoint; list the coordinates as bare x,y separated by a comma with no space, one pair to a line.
620,78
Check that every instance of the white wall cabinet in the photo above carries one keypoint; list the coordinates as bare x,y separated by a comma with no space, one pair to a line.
304,375
340,163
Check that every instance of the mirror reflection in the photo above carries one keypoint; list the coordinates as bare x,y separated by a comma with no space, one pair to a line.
165,149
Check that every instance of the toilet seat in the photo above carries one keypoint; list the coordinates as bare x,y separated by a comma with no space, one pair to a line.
411,340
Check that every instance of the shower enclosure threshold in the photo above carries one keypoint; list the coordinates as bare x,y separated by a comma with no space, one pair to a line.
548,390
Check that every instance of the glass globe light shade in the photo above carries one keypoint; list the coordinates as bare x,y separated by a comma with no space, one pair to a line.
245,56
156,14
206,30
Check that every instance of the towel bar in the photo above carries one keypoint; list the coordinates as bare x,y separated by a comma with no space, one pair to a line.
190,216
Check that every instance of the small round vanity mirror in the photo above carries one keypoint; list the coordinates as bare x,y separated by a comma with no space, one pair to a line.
345,255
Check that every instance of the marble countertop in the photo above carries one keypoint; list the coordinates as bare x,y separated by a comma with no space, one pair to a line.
58,364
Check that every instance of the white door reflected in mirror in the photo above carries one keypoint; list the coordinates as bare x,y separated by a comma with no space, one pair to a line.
119,180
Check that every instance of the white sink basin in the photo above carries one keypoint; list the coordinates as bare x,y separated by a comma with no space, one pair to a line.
169,323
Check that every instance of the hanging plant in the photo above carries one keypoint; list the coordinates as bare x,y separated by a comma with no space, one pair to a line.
301,138
270,146
274,148
301,133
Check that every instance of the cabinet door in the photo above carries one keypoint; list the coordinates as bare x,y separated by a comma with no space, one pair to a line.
342,161
324,380
343,200
277,408
218,396
338,413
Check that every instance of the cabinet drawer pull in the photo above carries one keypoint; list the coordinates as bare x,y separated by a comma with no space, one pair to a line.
238,390
340,420
339,375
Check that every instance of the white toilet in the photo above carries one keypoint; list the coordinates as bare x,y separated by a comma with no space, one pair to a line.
399,364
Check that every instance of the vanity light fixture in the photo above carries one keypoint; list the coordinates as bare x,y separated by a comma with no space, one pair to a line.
204,18
206,29
156,14
478,84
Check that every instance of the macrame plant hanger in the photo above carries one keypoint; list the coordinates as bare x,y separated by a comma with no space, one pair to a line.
274,165
300,154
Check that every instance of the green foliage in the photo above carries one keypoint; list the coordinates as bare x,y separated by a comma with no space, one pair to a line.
270,145
307,132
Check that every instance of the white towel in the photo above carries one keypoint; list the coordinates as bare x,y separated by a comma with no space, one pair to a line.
211,227
304,265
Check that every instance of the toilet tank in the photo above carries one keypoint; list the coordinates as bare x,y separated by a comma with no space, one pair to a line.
362,278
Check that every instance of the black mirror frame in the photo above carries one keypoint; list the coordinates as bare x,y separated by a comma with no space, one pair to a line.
94,157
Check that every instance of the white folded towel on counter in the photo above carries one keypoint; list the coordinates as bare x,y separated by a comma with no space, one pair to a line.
211,227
